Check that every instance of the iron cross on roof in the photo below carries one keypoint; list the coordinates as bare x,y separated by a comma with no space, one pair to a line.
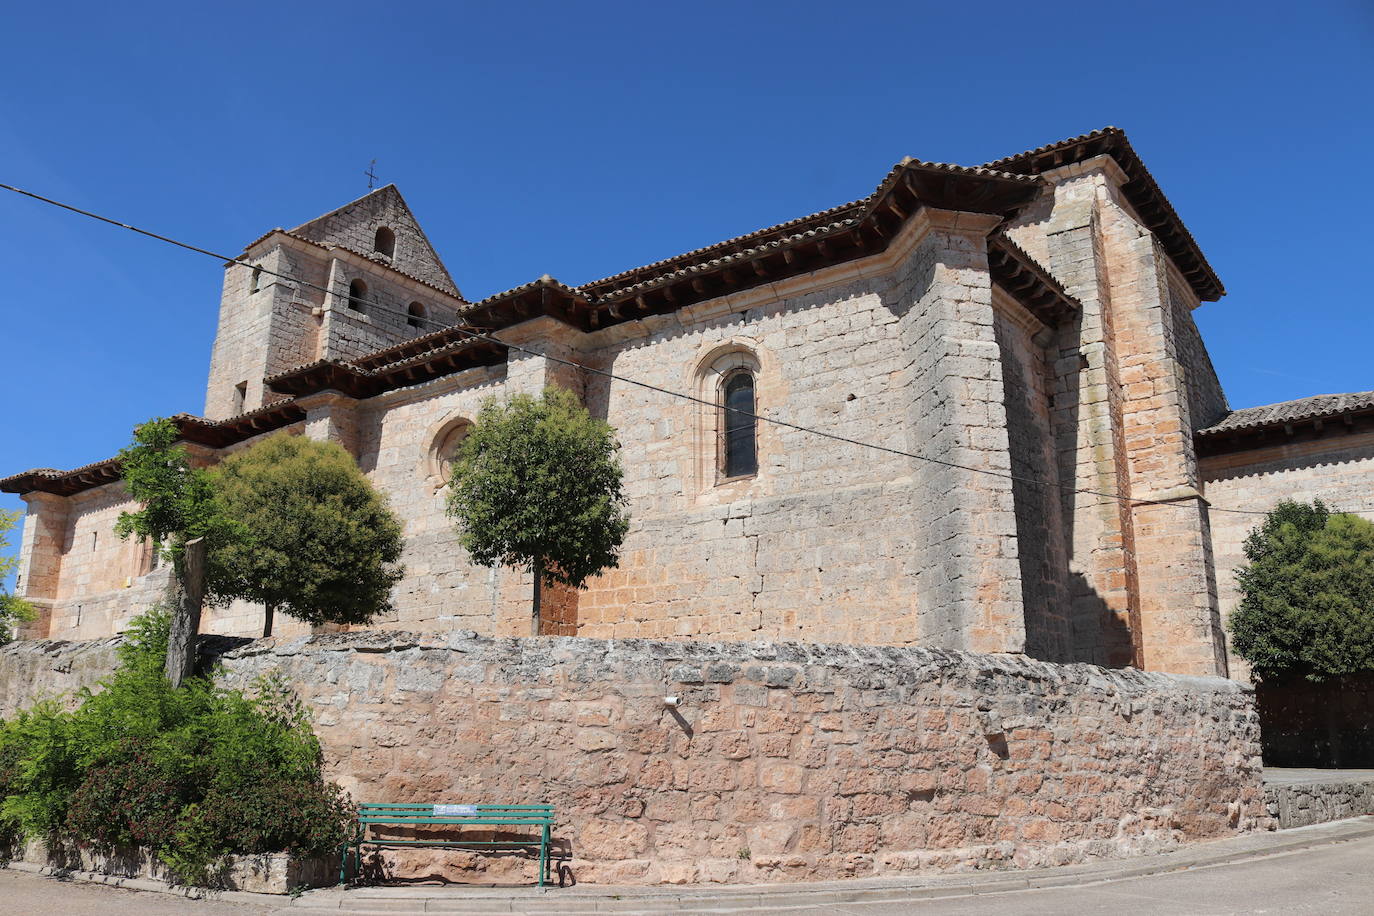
371,174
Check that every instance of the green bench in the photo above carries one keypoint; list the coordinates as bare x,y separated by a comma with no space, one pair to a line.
396,815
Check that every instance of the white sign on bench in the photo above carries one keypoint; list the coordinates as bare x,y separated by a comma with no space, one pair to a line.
454,810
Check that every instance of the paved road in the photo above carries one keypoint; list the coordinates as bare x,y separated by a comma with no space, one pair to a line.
24,893
1289,776
1331,880
1335,880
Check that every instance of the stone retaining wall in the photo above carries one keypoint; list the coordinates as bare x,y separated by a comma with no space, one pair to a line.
783,761
276,873
1316,803
32,670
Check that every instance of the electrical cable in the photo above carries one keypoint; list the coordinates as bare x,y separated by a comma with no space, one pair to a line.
475,334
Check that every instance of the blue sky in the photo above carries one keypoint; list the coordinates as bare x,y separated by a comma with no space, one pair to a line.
584,139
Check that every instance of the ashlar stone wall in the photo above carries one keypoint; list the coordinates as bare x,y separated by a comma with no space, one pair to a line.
1028,380
354,226
782,761
819,543
267,324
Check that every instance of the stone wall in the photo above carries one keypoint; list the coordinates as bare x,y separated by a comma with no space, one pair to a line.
354,226
1206,401
783,761
38,669
267,325
1305,804
1028,383
818,545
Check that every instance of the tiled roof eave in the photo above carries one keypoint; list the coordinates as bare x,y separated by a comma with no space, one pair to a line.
1287,413
1141,190
824,220
832,236
62,483
450,293
1028,282
192,429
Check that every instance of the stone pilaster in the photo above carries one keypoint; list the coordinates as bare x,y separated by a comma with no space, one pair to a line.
332,417
530,369
1179,623
546,347
1087,411
40,557
969,578
1143,591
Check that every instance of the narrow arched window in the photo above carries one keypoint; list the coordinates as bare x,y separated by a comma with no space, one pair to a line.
415,316
739,447
257,279
385,242
357,295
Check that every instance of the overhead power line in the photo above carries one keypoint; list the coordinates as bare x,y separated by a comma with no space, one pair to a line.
477,334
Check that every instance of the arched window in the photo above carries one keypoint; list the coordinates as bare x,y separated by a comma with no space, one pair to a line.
385,242
416,315
739,428
357,294
257,278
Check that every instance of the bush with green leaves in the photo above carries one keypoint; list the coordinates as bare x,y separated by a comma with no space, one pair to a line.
537,485
194,774
1307,594
176,500
316,540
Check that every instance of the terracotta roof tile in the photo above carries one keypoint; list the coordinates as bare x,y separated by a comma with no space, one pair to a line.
1141,189
820,222
1318,406
370,259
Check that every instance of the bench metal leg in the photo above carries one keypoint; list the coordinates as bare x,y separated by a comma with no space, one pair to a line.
543,854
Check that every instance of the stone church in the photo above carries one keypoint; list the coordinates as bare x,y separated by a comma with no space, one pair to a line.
1056,462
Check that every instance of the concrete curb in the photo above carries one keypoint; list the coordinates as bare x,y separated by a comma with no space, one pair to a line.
754,898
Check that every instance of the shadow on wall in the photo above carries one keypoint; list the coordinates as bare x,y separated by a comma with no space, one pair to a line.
1306,724
1067,620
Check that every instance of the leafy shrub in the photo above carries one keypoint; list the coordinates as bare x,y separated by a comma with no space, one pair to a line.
194,774
1307,594
131,802
298,817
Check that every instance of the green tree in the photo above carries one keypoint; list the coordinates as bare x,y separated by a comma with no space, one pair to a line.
12,610
180,517
317,541
1307,605
178,502
537,485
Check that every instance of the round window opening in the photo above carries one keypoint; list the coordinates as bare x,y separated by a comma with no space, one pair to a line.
444,451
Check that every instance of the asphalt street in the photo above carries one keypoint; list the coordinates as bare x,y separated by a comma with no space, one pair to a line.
1333,879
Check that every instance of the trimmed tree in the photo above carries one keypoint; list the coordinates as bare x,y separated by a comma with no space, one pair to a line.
178,510
13,610
318,541
537,486
1307,605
